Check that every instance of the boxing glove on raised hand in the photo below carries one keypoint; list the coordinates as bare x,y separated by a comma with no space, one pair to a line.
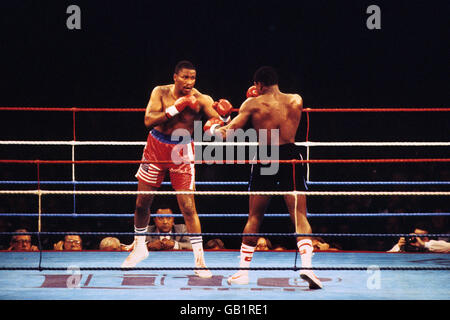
181,104
252,92
223,107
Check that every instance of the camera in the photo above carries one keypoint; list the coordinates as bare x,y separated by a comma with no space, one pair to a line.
409,247
410,240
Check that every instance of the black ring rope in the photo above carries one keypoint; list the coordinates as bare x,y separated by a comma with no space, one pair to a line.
225,268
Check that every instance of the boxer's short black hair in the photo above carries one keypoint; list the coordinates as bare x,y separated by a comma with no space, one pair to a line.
266,75
184,64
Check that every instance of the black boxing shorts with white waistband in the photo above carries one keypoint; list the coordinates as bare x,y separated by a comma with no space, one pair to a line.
283,178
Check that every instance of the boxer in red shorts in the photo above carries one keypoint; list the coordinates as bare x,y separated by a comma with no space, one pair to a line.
172,109
163,147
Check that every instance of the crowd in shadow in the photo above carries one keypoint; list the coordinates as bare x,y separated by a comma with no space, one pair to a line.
331,232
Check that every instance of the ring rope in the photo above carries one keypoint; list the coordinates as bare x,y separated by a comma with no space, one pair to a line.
227,182
231,234
315,109
378,182
376,109
200,143
40,192
323,161
224,215
72,109
40,268
116,182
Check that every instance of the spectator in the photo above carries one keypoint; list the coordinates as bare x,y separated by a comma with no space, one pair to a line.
263,244
71,242
111,244
166,225
215,244
420,244
320,245
21,242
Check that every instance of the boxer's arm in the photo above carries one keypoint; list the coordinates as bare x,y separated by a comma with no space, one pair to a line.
206,103
154,114
245,112
298,101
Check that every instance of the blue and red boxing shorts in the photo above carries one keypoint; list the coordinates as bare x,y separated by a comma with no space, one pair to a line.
175,154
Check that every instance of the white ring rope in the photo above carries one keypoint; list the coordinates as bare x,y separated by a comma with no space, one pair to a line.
200,143
232,193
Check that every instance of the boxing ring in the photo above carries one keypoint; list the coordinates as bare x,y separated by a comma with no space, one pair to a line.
168,275
96,276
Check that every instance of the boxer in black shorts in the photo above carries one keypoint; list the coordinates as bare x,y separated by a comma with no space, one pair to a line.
278,113
283,180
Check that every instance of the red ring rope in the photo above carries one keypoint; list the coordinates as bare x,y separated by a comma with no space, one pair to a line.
228,162
77,109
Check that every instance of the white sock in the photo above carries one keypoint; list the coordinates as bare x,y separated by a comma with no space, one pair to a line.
246,256
197,248
140,240
306,251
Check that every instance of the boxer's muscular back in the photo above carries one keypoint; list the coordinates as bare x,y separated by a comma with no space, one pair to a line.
277,111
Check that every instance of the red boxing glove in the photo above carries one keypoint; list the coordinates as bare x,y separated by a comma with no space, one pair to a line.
180,105
223,108
211,125
252,92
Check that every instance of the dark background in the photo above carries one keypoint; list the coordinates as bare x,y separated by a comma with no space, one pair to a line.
321,49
